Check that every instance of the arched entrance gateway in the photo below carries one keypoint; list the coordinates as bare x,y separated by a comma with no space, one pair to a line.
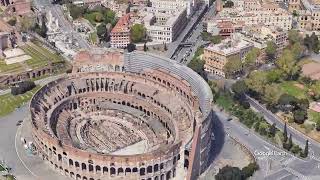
120,121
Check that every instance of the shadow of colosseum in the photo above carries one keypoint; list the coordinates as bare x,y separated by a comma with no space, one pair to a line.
219,140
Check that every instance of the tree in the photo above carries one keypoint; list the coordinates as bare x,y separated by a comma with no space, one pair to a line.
138,33
287,63
272,93
229,173
228,4
286,102
99,17
285,133
248,171
76,11
294,37
131,47
27,23
12,21
216,39
316,89
290,144
22,87
306,150
145,48
251,57
315,42
274,75
165,47
232,66
239,88
257,81
299,116
101,30
272,130
297,50
271,49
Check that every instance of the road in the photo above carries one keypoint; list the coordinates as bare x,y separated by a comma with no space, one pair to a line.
193,21
64,24
277,166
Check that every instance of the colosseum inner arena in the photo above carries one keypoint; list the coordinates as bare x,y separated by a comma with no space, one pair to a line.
126,116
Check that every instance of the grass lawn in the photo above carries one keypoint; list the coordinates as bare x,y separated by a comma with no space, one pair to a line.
313,116
225,101
10,102
4,68
290,88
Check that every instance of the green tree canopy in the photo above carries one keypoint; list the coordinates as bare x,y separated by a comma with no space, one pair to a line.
101,30
271,49
287,63
138,32
233,65
294,36
272,93
257,81
27,23
251,57
229,173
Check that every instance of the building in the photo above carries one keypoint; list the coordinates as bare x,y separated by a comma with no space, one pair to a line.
4,41
217,55
294,5
120,34
175,5
223,27
165,26
119,8
279,18
124,116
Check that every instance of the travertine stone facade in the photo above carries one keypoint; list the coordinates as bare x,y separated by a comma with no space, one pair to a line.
114,118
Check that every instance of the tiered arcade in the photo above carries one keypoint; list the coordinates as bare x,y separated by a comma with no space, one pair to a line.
124,116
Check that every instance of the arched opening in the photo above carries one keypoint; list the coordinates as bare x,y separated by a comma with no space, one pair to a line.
186,163
134,169
85,178
78,177
90,168
120,170
98,168
104,170
156,168
168,175
77,164
112,171
70,162
128,170
59,157
142,171
162,177
83,166
149,169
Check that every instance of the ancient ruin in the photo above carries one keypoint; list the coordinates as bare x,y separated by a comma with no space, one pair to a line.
124,116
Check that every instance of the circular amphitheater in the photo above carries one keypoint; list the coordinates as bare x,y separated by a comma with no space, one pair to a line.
124,116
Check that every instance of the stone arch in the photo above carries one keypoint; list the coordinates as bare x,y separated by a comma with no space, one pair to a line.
149,169
156,168
142,171
59,157
78,177
90,167
134,169
91,179
168,176
98,168
104,169
85,178
112,171
70,162
127,170
83,166
71,174
162,177
156,178
77,164
117,68
120,170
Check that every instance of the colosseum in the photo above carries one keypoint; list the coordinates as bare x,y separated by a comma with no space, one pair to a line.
122,115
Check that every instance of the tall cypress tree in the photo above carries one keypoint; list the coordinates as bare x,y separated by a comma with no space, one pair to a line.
306,149
290,142
285,133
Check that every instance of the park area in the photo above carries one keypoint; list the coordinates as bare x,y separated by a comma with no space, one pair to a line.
10,102
40,57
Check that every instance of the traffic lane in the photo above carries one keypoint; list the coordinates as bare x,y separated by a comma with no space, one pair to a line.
297,136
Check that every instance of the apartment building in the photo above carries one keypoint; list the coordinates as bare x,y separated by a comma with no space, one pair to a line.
216,56
175,5
279,18
120,34
165,26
